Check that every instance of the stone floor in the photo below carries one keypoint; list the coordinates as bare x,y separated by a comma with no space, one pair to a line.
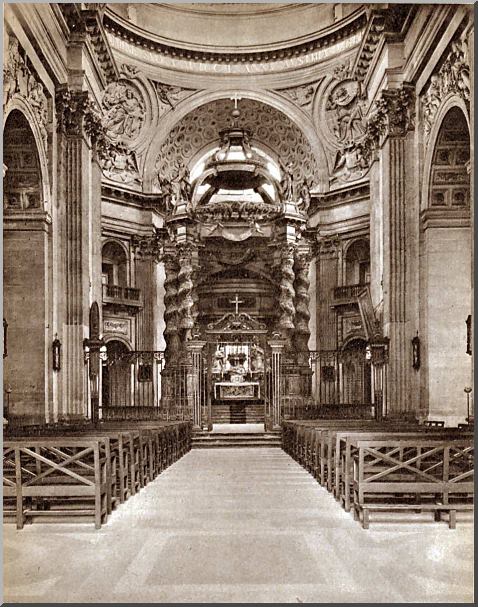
238,525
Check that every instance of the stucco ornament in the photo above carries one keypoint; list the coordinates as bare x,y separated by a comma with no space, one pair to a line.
453,77
124,111
302,95
119,164
20,80
345,121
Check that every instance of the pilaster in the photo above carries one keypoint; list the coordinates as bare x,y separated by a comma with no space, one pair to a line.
390,135
79,187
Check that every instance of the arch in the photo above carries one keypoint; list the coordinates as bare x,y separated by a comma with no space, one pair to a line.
19,104
356,261
450,102
446,264
109,337
114,262
296,115
23,185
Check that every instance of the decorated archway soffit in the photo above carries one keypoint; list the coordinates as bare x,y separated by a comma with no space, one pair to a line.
452,78
270,127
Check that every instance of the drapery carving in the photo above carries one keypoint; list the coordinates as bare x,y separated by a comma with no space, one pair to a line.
453,77
287,293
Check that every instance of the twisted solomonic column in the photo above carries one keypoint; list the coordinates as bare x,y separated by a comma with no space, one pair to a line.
185,291
286,298
302,300
170,304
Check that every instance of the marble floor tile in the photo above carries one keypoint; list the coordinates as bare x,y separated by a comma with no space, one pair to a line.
238,525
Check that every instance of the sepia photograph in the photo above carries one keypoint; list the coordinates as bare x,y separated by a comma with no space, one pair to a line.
238,302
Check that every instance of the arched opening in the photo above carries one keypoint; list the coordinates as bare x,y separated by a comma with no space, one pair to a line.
26,248
356,373
22,184
446,277
357,263
116,376
114,265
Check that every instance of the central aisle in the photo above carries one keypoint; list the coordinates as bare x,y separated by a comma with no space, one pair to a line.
237,525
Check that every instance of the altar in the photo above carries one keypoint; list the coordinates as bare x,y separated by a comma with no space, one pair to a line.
229,390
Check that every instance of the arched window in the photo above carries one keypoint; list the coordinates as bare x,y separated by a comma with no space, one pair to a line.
114,266
22,186
357,263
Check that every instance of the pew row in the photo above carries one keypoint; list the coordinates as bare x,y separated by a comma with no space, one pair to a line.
328,450
86,474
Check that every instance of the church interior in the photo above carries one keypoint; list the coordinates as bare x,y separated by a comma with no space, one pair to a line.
239,365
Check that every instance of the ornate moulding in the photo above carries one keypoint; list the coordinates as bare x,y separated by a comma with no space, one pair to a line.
21,82
340,114
452,78
88,21
297,53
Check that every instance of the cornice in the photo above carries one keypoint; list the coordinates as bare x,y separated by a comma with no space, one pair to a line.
343,196
87,23
130,197
444,218
122,29
382,22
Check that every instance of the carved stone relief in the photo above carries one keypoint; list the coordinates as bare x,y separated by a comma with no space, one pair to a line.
302,95
19,79
119,164
453,77
344,119
124,111
169,96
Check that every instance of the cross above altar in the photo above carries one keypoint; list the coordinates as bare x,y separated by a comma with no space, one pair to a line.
237,302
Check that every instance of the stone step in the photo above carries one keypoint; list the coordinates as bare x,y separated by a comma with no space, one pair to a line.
204,440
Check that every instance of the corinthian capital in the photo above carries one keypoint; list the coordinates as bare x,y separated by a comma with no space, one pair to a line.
393,116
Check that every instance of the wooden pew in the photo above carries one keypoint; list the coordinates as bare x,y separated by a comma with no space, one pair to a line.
437,471
58,470
344,452
130,458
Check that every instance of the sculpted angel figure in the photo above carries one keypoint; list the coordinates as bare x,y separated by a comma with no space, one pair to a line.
182,180
304,197
287,182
